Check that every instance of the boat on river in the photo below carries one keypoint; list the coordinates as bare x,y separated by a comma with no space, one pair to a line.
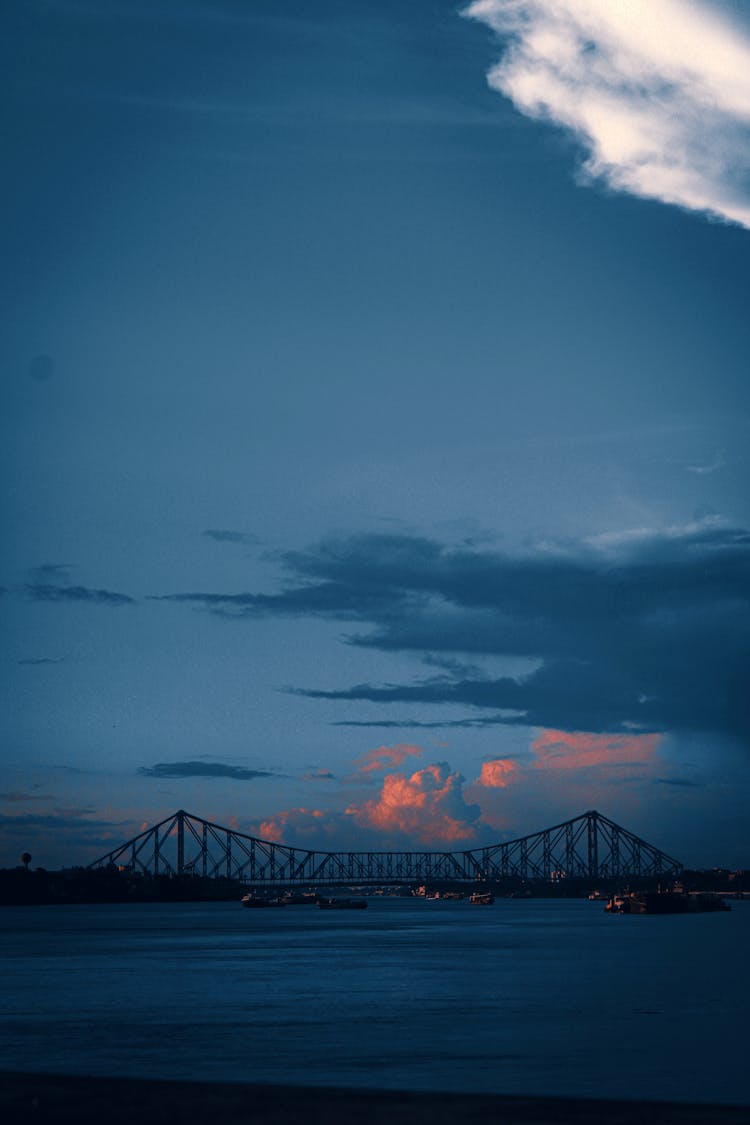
481,898
255,902
670,902
342,903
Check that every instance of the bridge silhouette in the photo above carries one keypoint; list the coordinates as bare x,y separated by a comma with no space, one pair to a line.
587,847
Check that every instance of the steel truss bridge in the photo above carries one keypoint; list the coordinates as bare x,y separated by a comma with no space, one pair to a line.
588,847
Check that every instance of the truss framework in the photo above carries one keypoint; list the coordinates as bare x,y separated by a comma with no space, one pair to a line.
588,847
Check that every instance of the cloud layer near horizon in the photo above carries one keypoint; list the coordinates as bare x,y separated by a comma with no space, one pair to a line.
658,94
69,827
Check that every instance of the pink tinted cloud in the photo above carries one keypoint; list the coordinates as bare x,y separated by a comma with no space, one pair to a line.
498,774
311,827
385,756
428,807
572,750
425,809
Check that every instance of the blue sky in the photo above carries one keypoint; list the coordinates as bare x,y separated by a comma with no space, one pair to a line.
375,421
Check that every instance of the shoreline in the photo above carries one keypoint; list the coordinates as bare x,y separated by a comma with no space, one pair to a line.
45,1097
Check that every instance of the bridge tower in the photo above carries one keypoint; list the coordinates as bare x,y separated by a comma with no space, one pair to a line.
592,850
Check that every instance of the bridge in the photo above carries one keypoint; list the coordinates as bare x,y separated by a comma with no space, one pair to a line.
587,847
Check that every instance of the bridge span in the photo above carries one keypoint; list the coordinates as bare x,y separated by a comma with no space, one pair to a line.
587,847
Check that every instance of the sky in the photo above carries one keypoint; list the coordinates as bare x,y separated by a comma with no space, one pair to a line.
375,421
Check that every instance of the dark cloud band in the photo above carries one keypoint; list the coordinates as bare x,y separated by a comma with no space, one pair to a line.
42,592
201,769
642,632
220,535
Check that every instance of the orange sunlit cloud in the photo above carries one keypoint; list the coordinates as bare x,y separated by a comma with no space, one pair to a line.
558,749
498,774
312,824
427,807
385,756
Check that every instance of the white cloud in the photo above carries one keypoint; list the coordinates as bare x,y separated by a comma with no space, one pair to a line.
658,92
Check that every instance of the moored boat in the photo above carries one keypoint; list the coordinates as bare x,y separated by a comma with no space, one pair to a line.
342,903
481,898
669,902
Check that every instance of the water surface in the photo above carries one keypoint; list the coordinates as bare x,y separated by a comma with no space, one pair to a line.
533,996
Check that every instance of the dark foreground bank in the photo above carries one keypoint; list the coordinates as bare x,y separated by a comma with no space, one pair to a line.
61,1098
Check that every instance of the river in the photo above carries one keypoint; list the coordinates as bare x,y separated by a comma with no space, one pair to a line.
533,997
